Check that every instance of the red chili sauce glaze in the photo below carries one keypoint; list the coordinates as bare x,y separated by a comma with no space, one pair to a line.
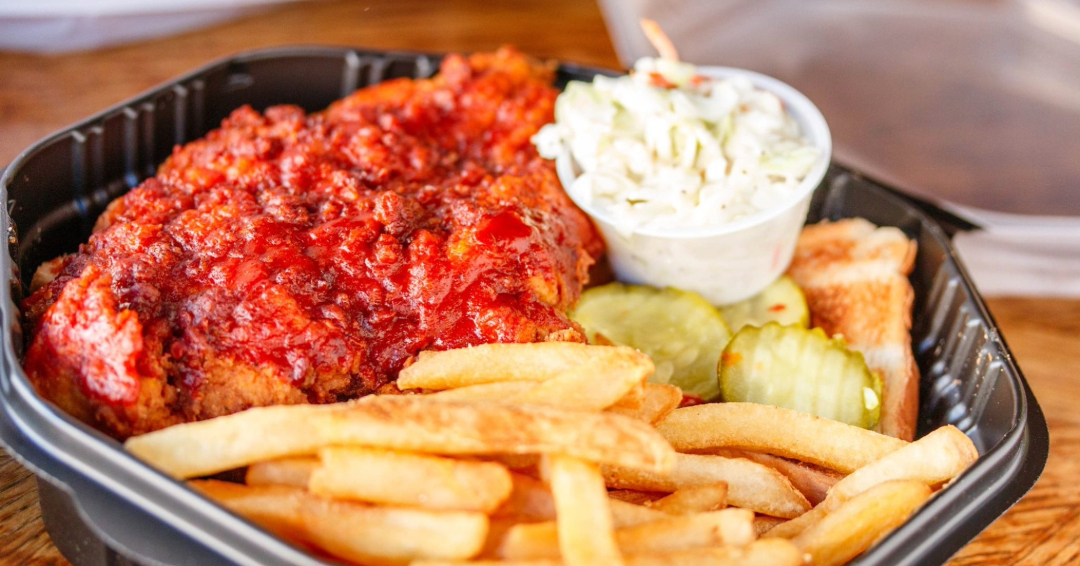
292,258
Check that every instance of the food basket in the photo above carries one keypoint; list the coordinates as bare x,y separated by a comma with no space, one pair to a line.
104,507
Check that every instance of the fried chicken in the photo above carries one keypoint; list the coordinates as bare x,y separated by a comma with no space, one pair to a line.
293,258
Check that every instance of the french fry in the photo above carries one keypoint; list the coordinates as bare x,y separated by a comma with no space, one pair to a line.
750,485
415,480
812,481
625,514
633,400
765,523
759,553
932,460
277,508
497,529
774,430
354,531
497,562
713,528
582,515
591,386
285,471
525,464
408,423
670,534
529,500
695,499
853,526
207,447
660,400
634,496
502,362
791,529
579,417
496,391
530,541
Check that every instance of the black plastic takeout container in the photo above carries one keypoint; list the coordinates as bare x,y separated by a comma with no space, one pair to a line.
104,507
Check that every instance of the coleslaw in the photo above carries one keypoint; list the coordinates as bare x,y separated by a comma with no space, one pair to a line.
665,148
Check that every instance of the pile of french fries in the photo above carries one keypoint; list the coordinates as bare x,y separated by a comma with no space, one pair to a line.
558,453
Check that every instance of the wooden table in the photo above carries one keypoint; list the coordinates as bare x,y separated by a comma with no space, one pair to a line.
41,94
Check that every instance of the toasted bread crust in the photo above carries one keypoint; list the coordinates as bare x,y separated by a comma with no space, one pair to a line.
854,275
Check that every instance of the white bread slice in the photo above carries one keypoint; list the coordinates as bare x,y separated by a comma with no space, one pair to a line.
854,275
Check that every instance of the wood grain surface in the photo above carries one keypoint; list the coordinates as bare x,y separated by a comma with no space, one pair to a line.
40,94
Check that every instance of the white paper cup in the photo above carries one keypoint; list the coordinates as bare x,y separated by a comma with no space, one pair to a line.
725,263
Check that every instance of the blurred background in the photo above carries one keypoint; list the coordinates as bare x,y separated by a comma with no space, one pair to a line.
973,105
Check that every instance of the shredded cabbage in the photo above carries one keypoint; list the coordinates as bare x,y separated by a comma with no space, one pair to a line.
664,148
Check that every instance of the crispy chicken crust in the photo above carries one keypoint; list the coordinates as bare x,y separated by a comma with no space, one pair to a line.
294,258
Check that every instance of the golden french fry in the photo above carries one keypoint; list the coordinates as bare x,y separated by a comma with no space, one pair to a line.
633,400
530,541
758,553
765,523
529,500
625,514
496,391
582,514
852,527
591,386
671,533
713,528
750,485
660,400
277,508
207,447
774,430
497,529
526,464
415,480
355,531
284,471
932,460
538,562
772,552
410,423
812,481
634,496
791,529
695,499
489,363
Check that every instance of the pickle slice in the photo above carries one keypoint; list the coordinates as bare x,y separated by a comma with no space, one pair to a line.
679,330
800,369
782,301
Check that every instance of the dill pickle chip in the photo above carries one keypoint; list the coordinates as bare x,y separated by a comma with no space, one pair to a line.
679,330
782,301
800,369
